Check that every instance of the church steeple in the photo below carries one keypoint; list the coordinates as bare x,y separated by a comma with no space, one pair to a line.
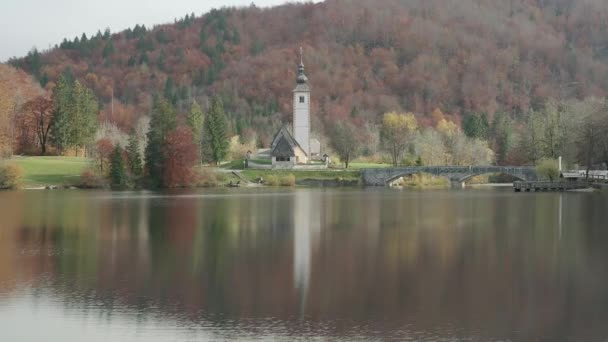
301,109
302,79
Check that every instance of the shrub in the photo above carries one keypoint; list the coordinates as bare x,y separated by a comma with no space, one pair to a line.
10,176
272,180
547,169
90,180
208,178
424,181
280,180
237,150
288,180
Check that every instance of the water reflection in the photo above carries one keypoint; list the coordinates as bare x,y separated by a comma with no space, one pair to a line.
353,264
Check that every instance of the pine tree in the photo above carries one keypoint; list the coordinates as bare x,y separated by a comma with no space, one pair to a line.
74,114
163,121
160,61
108,50
118,177
60,127
84,119
133,155
502,135
215,144
195,122
475,125
169,91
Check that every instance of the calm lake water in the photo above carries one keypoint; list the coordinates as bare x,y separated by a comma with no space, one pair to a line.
380,264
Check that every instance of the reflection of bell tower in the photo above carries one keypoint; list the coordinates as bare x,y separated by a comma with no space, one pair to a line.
301,109
307,227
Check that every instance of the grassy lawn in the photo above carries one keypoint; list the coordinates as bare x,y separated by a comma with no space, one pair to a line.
252,175
363,165
40,171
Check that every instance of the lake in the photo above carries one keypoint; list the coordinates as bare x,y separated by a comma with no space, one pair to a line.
343,265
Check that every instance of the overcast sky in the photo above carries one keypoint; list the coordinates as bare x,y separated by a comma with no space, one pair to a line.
25,24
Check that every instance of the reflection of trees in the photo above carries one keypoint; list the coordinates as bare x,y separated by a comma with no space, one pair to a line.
485,262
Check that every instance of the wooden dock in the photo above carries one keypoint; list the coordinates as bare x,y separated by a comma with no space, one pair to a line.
549,186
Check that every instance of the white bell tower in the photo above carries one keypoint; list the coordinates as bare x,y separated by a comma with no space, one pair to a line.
301,109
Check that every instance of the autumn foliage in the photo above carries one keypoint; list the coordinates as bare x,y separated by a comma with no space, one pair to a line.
16,89
33,125
364,58
103,152
180,156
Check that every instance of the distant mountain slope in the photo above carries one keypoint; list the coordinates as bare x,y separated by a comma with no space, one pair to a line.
362,57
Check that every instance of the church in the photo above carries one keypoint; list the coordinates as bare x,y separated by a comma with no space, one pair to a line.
294,148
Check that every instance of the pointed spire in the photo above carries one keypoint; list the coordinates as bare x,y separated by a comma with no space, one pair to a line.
302,79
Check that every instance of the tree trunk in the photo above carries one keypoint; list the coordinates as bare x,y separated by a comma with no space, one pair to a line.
589,153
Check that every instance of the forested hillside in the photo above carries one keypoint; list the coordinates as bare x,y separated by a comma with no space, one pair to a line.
363,58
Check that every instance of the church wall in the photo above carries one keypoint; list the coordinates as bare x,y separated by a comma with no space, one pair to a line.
301,120
302,158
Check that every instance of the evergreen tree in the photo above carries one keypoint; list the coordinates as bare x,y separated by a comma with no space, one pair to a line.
33,62
132,61
143,59
215,141
160,61
162,37
74,114
475,125
108,49
84,118
502,132
163,121
60,127
118,176
169,91
83,47
133,156
195,122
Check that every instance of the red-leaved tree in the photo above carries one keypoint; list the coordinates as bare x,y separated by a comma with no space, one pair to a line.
103,148
180,157
37,116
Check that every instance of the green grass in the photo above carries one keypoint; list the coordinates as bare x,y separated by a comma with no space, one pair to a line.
253,175
42,171
234,165
363,165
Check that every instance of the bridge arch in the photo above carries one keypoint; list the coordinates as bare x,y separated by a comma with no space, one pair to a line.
412,173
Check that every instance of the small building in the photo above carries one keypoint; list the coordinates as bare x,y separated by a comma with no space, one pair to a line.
315,149
292,147
285,151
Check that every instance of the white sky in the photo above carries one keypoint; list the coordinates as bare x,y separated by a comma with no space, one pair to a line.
25,24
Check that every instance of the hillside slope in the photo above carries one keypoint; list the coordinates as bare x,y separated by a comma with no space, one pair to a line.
363,58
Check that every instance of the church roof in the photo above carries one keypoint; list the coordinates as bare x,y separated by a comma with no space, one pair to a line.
284,144
302,80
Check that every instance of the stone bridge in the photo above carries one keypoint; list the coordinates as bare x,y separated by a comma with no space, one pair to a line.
457,175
